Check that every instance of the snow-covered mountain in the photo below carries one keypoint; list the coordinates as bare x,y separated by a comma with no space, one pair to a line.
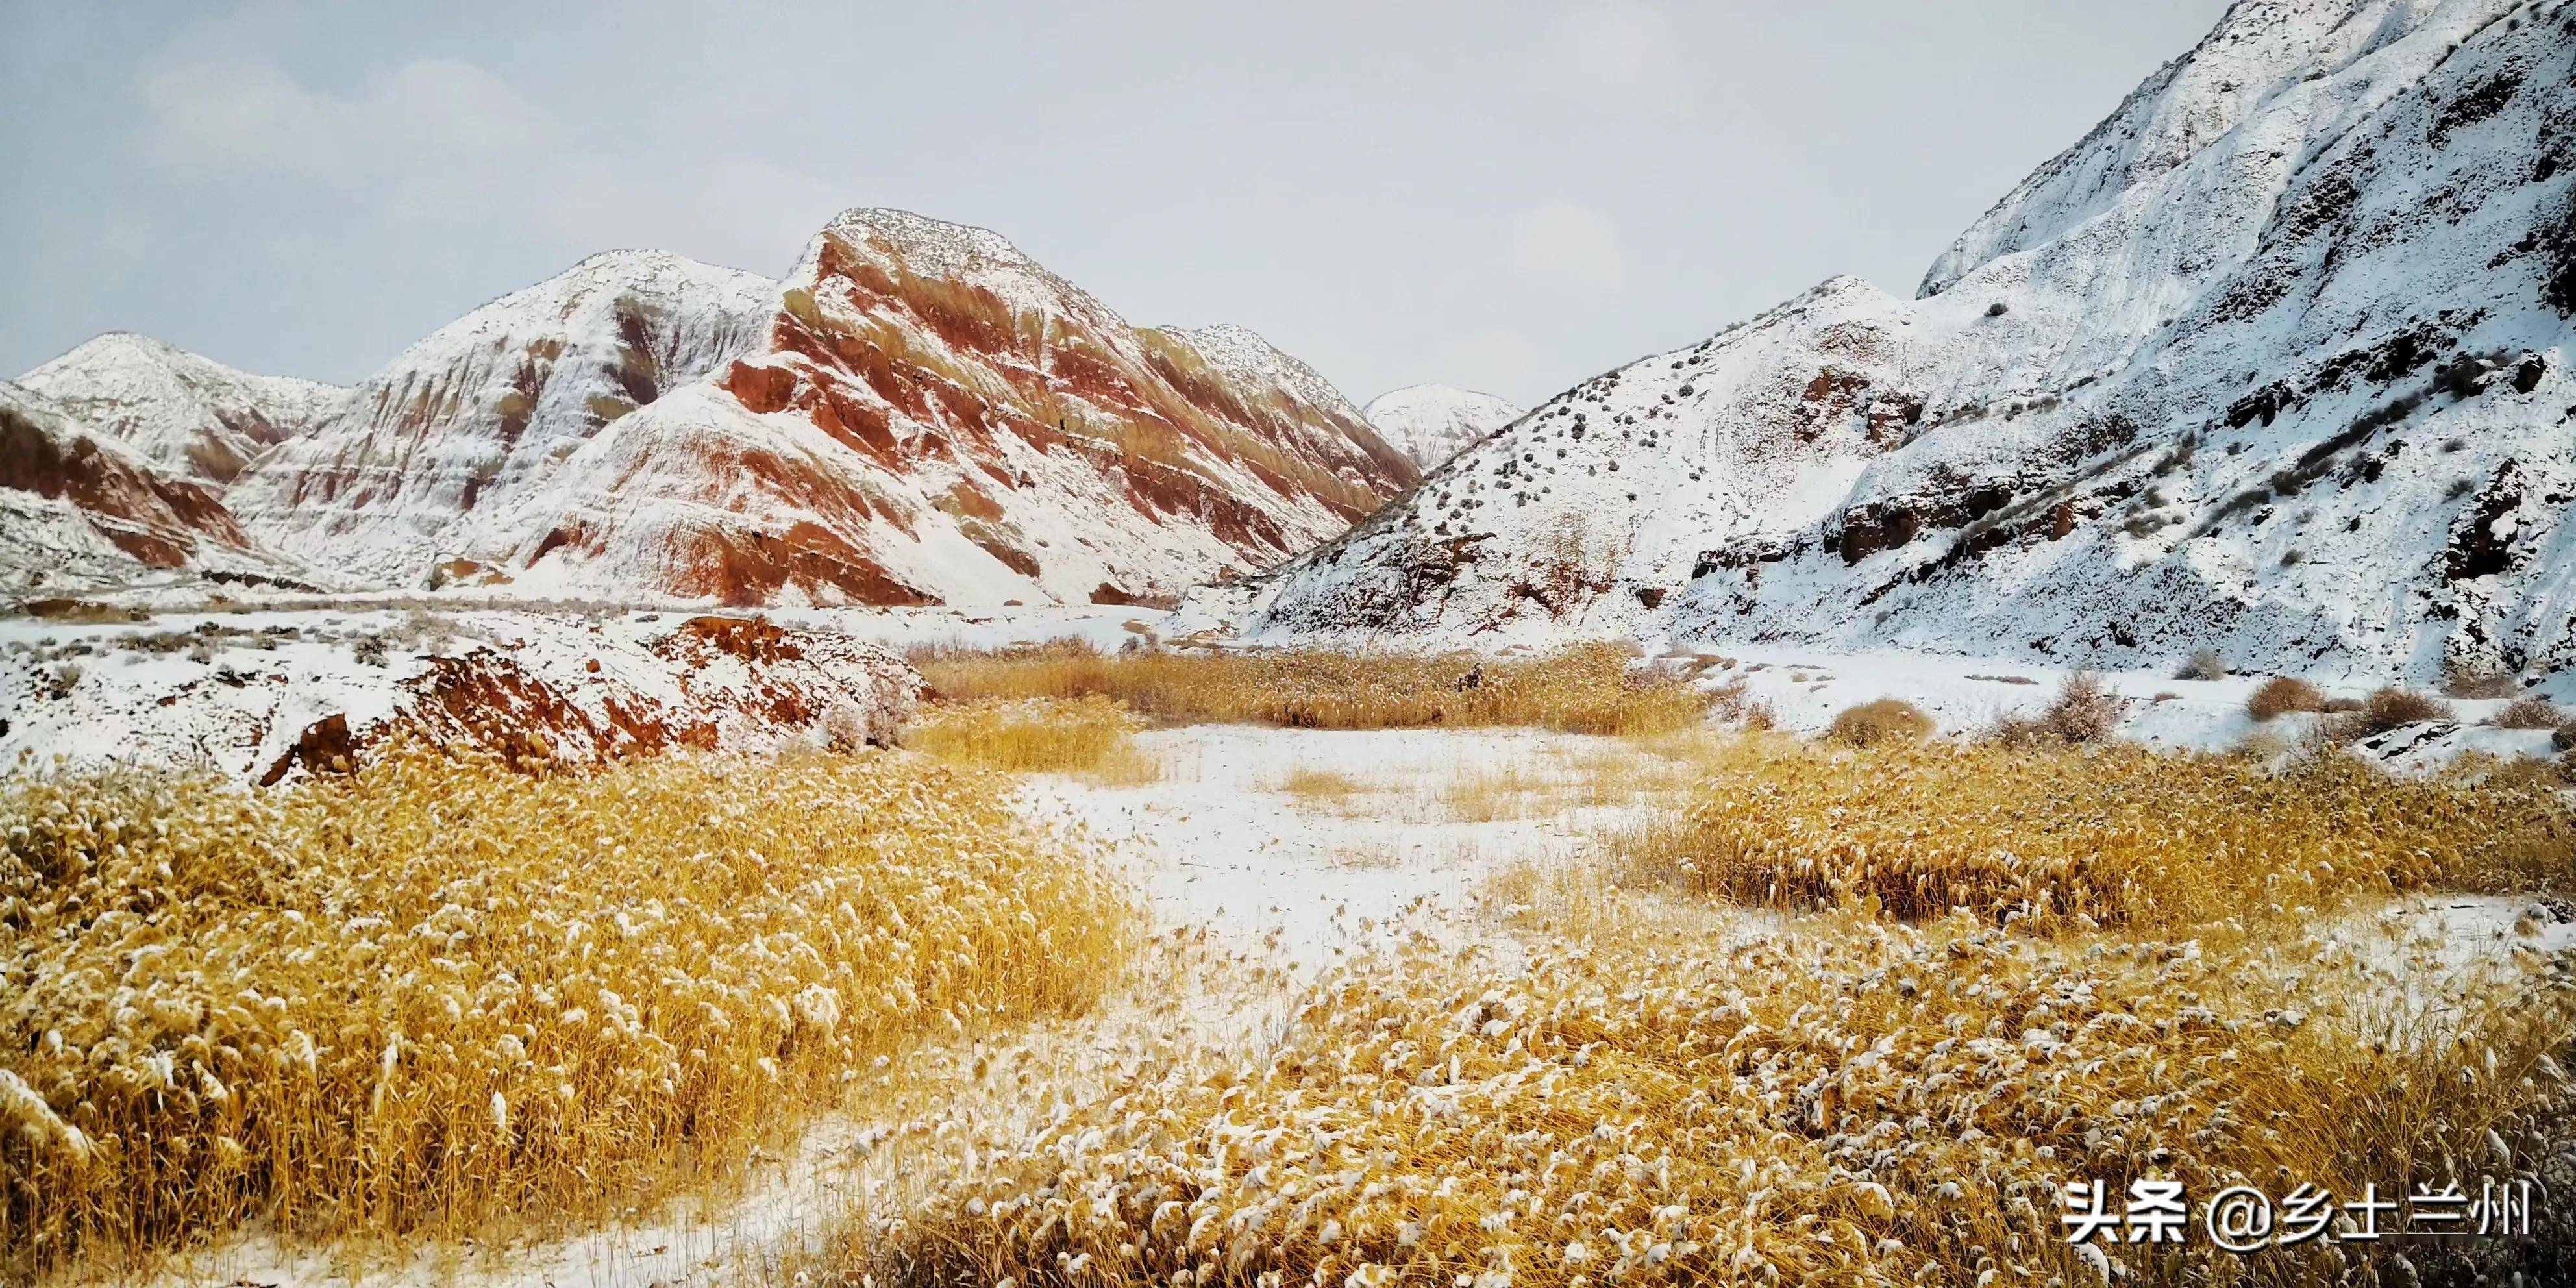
918,414
2274,361
402,484
188,415
80,510
1431,423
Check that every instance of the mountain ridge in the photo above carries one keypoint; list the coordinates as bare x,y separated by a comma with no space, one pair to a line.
2274,394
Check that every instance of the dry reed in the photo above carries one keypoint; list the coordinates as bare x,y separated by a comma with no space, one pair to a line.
1850,1101
1589,689
440,991
1091,736
2109,835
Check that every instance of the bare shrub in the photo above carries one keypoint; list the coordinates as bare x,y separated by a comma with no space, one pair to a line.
2394,708
2529,713
2479,682
1873,722
2085,710
2282,695
2203,665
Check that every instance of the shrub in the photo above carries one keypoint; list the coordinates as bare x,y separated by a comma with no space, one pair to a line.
2281,695
2529,713
2085,710
2564,736
2479,682
437,990
2394,708
1872,722
2203,665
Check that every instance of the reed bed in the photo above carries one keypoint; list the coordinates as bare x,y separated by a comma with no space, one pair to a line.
1091,736
439,991
1847,1100
1588,689
2113,835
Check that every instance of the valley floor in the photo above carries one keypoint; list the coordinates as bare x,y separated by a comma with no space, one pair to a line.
1265,855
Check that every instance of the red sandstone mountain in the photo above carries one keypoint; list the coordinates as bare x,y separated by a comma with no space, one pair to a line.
918,414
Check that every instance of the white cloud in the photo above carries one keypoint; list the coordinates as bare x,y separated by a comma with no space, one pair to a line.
246,119
437,139
1570,250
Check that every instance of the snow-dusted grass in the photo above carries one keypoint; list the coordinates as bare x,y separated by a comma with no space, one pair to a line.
438,991
1616,1082
1841,1099
1586,689
2113,835
1088,736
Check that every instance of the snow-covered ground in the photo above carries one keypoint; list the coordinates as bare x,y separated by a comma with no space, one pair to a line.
247,693
1806,688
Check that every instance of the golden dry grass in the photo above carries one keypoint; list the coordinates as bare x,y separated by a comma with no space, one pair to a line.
439,991
1845,1101
2113,835
1090,736
1879,721
1325,789
1590,689
2281,695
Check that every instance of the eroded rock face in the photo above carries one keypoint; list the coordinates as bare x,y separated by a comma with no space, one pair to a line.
2272,362
78,509
293,696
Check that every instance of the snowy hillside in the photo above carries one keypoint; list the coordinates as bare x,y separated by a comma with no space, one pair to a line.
398,487
79,510
188,415
2273,361
934,418
1431,423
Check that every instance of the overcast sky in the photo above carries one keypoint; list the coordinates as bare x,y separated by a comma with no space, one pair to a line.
1507,196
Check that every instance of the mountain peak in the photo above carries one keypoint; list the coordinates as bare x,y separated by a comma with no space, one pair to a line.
182,412
1431,423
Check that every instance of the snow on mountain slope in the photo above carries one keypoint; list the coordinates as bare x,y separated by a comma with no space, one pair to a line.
188,415
83,511
266,696
2274,361
1431,423
934,418
396,486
